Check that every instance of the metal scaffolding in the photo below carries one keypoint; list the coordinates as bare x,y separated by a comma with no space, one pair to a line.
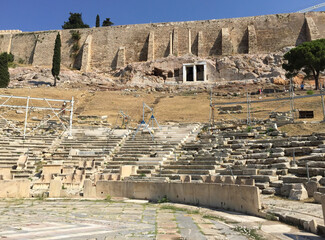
67,105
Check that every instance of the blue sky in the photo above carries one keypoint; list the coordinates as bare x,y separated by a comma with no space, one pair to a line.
37,15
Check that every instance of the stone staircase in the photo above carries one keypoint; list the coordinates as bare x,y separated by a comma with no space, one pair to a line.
14,148
147,153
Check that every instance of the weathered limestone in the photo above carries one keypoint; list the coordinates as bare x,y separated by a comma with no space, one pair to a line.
120,57
311,188
21,163
86,55
14,188
5,173
226,45
238,198
311,29
151,47
200,44
89,189
287,30
128,170
298,192
9,44
252,39
170,43
189,41
42,48
55,188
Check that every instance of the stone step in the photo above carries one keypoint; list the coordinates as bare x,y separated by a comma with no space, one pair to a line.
180,162
302,171
195,172
185,167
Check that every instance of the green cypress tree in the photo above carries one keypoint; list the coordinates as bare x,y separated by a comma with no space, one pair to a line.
4,72
97,21
56,59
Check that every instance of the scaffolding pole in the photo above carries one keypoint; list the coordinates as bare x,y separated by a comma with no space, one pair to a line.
248,110
26,116
71,117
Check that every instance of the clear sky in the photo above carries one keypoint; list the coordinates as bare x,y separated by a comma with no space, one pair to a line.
37,15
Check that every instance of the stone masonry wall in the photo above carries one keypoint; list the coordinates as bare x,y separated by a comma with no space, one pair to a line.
112,47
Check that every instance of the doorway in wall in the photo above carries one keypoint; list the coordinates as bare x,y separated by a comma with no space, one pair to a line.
189,74
199,73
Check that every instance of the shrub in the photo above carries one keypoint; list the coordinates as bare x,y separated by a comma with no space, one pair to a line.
75,47
11,58
310,92
75,35
163,200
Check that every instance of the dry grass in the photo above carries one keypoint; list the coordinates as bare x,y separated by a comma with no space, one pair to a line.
182,107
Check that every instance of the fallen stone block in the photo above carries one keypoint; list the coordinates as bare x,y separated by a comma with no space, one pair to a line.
286,188
311,187
313,226
298,192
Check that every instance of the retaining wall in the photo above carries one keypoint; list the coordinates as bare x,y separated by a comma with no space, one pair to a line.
113,47
238,198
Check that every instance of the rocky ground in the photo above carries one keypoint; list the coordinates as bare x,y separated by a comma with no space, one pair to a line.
162,73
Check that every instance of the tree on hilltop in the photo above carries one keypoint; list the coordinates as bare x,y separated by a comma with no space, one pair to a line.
56,59
75,21
107,22
308,57
97,21
4,72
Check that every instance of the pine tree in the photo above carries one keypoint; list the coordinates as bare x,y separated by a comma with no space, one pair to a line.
308,57
56,59
75,21
4,72
107,22
97,21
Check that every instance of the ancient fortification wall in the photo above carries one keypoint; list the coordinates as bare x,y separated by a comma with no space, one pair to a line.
108,48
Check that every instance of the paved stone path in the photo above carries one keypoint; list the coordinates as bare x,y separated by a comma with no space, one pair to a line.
296,209
79,219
